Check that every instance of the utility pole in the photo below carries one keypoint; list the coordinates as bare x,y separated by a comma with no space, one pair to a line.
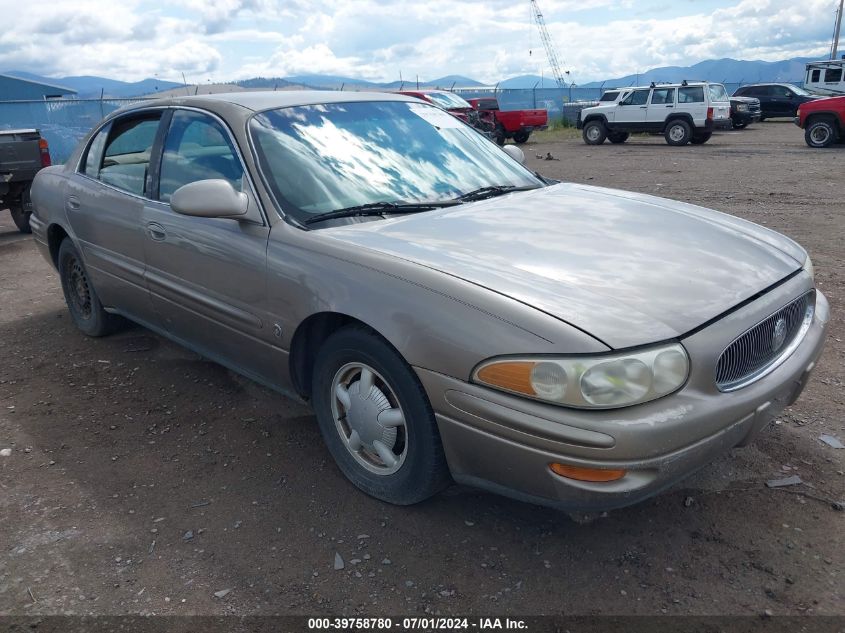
834,49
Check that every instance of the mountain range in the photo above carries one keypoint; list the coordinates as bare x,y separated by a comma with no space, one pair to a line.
723,70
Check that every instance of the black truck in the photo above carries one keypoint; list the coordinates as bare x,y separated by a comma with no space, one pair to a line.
22,154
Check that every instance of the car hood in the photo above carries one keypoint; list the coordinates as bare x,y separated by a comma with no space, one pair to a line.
627,268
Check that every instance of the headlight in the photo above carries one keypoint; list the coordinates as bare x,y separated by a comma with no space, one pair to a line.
591,382
742,107
808,266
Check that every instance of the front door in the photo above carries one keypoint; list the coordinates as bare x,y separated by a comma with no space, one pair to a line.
207,276
105,201
631,111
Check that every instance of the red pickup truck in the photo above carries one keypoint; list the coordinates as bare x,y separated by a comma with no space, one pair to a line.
515,124
823,121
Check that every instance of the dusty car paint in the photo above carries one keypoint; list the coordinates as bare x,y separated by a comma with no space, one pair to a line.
561,270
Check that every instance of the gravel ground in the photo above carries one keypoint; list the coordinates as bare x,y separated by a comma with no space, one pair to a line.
144,479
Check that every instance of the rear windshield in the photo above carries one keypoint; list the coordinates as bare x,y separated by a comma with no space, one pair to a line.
718,93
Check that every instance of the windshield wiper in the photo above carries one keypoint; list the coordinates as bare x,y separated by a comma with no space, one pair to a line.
380,208
491,192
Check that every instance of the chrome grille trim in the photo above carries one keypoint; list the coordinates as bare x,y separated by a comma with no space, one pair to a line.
750,356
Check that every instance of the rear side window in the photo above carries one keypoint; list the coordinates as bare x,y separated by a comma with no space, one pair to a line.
197,148
663,96
638,97
692,94
816,75
126,159
833,74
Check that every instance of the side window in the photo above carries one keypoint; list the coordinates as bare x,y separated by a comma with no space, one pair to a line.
832,74
126,159
197,148
816,74
94,156
663,96
764,91
694,94
638,97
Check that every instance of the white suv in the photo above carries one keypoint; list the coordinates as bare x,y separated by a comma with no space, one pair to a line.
687,112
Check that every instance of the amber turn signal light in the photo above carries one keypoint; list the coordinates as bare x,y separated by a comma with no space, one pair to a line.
587,474
513,376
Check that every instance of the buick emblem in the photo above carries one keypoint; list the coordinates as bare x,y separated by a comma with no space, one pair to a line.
779,335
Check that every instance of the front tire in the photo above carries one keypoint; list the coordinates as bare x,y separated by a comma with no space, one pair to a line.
739,125
376,418
594,133
678,132
819,134
82,301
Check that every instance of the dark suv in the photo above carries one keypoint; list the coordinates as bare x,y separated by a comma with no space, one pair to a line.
776,100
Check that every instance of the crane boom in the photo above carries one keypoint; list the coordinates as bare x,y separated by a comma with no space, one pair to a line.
551,52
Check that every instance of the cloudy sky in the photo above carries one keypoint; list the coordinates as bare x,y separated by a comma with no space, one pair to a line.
488,40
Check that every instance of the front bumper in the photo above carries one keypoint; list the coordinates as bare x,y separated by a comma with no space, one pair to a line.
746,117
505,444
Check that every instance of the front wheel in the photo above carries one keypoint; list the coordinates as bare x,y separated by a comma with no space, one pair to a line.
376,418
820,134
82,301
700,139
678,132
500,135
594,133
739,125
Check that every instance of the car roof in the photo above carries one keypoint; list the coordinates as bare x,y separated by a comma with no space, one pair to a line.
269,99
660,84
769,83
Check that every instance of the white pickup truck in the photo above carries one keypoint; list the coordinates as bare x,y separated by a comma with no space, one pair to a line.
22,154
687,112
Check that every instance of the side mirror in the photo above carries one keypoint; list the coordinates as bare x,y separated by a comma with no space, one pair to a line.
209,199
514,152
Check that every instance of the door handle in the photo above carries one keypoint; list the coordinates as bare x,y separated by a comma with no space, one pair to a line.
643,107
670,106
72,203
156,231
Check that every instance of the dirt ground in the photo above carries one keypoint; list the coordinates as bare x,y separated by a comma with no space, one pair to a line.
143,479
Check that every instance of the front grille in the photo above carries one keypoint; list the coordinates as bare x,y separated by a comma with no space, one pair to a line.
761,348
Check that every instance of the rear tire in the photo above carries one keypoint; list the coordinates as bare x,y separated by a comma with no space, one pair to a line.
819,134
521,137
618,137
594,133
402,461
678,132
21,210
700,139
82,301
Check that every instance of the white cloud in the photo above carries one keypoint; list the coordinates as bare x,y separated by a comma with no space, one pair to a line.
378,39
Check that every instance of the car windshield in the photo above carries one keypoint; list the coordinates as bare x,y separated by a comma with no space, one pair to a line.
447,100
610,96
718,93
319,158
799,91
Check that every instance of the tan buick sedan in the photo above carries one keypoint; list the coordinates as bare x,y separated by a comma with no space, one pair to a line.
449,314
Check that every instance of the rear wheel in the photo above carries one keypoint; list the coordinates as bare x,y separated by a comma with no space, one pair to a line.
521,136
376,419
21,210
618,137
700,139
594,133
820,134
82,301
678,132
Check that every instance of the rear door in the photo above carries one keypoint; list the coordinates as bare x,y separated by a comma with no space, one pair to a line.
207,276
104,201
662,104
691,100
